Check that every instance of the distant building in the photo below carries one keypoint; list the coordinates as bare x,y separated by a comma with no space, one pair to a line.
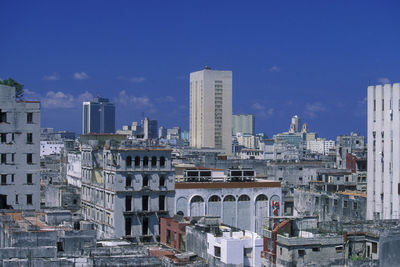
174,133
383,152
320,146
243,123
295,125
98,116
348,144
51,147
19,152
150,129
162,132
211,109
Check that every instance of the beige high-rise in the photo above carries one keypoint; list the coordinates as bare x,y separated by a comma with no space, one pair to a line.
211,109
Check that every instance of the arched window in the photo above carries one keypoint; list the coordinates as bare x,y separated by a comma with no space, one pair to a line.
153,161
162,161
145,180
262,197
128,181
162,180
229,198
197,199
214,199
244,198
128,161
137,161
146,161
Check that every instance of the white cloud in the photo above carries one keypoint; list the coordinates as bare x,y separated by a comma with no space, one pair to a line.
313,109
54,100
52,77
133,79
361,108
142,103
383,80
80,76
262,111
274,69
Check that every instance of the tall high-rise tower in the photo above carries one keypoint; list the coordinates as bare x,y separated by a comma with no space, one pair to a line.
98,116
383,184
211,109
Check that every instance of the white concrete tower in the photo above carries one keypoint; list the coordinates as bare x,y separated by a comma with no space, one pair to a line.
383,151
211,109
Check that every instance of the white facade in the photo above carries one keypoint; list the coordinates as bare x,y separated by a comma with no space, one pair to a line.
247,140
241,248
19,152
74,169
243,123
320,145
211,109
51,147
383,151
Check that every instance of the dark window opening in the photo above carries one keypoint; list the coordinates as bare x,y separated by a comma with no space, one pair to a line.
315,249
128,226
301,252
137,161
145,180
128,181
3,116
162,180
3,158
128,161
29,117
374,247
162,161
60,246
29,199
168,236
3,179
217,251
161,202
29,158
153,161
145,203
145,226
16,199
146,161
128,203
29,178
3,137
29,138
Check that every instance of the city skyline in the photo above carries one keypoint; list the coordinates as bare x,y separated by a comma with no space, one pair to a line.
314,61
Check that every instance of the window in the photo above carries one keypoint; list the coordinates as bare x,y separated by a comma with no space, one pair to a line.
128,181
29,199
137,161
145,226
3,179
128,226
339,249
162,161
3,158
315,249
29,138
280,251
345,204
60,246
145,203
374,247
16,199
146,161
168,236
145,180
29,117
128,203
29,158
355,205
12,178
29,178
3,116
247,252
3,137
301,252
162,180
153,161
161,202
217,251
128,161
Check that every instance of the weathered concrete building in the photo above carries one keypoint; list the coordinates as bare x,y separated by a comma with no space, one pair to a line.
19,151
126,189
242,203
348,144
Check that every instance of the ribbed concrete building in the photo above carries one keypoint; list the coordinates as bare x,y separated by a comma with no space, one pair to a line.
211,109
19,152
383,151
243,123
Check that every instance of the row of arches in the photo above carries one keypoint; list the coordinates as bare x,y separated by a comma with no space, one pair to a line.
146,161
234,211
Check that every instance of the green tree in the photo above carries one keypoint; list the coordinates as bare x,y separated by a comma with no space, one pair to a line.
19,88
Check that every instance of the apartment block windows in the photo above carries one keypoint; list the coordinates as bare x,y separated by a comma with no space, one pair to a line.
3,158
145,180
128,181
29,138
29,178
29,199
3,179
29,158
128,203
29,117
3,116
145,203
161,202
3,137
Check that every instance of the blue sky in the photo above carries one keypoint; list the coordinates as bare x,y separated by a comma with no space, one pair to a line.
311,58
